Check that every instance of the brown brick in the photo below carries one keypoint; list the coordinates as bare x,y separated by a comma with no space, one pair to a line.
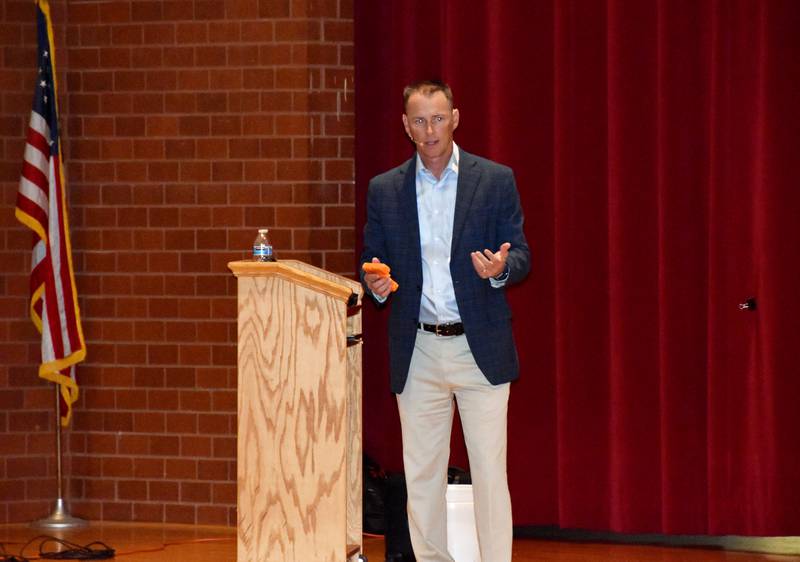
298,30
299,170
147,57
148,149
320,9
231,79
181,423
129,126
126,34
185,469
346,56
151,512
198,401
116,103
195,171
212,515
244,55
149,422
208,56
162,354
98,489
211,195
338,31
213,470
147,10
339,216
179,57
209,9
274,8
259,170
178,9
162,34
116,467
116,149
164,445
162,491
83,13
162,126
148,468
339,125
339,170
307,194
195,492
193,125
149,376
195,446
179,514
162,399
129,81
190,32
222,493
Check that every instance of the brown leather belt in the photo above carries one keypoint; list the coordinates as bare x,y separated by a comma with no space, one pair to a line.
452,329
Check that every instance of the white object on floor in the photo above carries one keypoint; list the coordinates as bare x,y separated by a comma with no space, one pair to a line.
462,535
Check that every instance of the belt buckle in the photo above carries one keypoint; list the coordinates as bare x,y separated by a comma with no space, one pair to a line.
436,330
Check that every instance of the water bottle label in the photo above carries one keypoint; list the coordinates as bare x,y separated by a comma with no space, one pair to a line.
262,251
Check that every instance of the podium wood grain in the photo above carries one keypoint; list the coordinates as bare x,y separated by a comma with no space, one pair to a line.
299,437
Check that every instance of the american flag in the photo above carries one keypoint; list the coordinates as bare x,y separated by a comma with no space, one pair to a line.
42,207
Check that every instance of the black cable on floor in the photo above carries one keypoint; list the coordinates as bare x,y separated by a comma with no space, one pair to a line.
5,556
96,550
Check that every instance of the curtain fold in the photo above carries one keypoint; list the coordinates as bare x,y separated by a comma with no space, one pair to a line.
655,148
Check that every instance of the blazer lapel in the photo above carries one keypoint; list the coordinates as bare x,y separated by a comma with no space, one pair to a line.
406,185
469,175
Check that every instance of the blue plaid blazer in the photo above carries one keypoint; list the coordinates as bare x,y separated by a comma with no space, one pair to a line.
488,213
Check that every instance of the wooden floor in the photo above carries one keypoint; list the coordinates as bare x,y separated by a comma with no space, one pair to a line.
184,543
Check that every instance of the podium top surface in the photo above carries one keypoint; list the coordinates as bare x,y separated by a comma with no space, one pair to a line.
301,273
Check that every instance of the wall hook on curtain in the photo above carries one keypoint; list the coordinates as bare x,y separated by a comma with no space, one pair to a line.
749,304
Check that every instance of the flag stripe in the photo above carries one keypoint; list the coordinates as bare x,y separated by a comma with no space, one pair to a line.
34,194
63,266
36,213
37,158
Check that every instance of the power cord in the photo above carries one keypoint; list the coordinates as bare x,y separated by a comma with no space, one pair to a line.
5,556
96,550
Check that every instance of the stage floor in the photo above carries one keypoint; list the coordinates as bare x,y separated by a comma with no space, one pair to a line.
151,542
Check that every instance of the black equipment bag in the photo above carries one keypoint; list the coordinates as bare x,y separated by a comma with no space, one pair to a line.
398,540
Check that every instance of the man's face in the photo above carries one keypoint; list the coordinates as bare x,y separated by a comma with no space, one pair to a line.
430,123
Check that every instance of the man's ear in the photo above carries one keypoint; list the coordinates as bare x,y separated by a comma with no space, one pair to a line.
405,124
455,118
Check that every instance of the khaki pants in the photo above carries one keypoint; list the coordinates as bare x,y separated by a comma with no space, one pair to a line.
443,368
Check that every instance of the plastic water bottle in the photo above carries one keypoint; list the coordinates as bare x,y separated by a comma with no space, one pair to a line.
262,247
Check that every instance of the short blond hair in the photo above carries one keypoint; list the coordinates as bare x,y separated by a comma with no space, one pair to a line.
427,88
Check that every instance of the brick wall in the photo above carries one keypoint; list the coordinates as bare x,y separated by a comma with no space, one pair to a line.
187,125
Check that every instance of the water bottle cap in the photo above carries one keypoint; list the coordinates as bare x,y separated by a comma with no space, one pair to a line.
263,230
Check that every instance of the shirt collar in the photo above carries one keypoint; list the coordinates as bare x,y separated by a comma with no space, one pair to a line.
452,164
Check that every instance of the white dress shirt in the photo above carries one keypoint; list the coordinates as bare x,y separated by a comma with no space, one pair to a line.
436,206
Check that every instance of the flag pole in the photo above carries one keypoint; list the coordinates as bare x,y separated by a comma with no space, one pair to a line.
60,518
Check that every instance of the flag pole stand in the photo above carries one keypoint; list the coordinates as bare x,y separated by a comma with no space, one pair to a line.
60,518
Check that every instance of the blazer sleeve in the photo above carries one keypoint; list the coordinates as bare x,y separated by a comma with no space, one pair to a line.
374,235
510,229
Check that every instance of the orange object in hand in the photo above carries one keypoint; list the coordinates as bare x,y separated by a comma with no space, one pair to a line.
381,270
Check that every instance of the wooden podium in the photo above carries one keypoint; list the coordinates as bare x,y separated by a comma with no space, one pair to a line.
299,438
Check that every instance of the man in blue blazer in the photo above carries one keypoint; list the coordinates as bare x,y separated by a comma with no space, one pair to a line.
449,226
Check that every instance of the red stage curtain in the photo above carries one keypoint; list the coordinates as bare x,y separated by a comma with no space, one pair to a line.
656,148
